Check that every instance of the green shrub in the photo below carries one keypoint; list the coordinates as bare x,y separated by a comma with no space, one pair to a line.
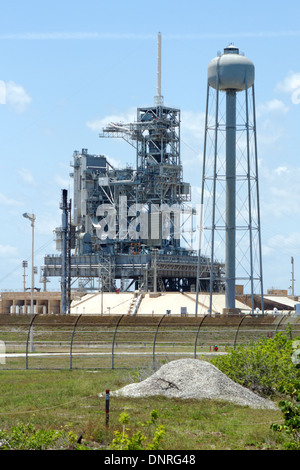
291,426
265,367
27,437
269,368
137,441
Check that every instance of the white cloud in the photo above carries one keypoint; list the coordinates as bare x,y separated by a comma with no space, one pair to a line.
192,135
7,251
83,35
270,135
289,243
17,97
80,35
281,170
26,176
290,85
97,125
192,124
280,193
116,163
61,181
296,96
272,106
46,223
6,201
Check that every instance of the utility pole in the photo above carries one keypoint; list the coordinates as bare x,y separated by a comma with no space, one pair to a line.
31,217
293,279
66,247
24,265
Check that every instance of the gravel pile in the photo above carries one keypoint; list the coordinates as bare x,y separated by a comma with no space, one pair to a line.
193,378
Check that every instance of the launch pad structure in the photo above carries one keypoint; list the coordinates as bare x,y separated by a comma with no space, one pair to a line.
124,228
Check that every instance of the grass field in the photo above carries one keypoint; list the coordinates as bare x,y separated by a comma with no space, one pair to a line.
52,395
70,399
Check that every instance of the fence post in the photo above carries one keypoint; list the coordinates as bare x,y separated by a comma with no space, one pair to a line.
154,340
113,343
28,336
107,407
2,352
277,326
72,337
196,339
236,333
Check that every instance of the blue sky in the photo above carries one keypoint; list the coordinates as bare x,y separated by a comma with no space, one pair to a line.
69,67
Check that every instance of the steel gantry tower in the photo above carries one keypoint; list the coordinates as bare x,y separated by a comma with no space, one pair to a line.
127,222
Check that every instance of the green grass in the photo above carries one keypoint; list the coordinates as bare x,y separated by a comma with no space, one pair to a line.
70,399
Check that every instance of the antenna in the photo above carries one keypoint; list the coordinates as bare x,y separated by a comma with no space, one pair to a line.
293,279
158,98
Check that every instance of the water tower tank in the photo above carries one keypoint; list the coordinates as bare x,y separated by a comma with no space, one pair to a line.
234,70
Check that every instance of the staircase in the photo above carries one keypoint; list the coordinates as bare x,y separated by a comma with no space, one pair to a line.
135,304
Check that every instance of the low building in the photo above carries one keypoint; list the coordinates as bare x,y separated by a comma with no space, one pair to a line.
44,302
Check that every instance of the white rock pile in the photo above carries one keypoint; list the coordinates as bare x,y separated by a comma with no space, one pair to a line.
193,378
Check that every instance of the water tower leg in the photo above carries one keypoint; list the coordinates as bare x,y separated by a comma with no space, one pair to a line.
230,199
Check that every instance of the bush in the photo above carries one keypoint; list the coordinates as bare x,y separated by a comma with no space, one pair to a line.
265,367
137,440
269,368
27,437
291,426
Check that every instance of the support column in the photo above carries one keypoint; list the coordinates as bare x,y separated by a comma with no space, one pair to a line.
230,199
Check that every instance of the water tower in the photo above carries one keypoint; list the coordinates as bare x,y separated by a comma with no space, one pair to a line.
230,192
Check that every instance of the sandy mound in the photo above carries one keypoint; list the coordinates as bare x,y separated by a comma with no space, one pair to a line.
192,378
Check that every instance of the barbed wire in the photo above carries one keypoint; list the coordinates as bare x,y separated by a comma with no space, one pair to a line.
48,407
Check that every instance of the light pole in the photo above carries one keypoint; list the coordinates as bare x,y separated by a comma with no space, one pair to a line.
31,217
25,265
293,279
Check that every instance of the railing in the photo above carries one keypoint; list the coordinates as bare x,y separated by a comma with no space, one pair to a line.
118,341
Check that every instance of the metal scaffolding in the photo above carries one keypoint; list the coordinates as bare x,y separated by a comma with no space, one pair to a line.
128,222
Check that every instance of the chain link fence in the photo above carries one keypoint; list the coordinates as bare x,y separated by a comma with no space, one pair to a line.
104,341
